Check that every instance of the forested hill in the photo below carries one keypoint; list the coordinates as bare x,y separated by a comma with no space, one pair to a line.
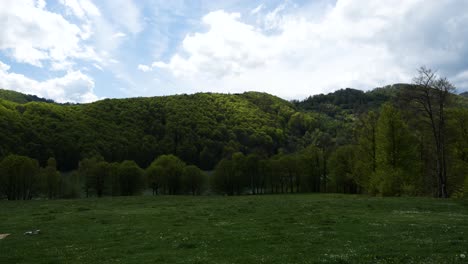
20,97
199,128
378,142
350,100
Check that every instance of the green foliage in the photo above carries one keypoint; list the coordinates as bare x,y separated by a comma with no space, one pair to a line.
196,128
130,178
342,170
224,178
21,98
256,143
18,177
50,179
395,155
193,180
166,172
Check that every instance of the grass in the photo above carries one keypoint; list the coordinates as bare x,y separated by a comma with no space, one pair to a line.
247,229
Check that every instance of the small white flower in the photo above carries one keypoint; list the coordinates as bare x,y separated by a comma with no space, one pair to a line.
462,256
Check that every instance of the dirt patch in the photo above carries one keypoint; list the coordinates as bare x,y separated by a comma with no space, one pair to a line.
2,236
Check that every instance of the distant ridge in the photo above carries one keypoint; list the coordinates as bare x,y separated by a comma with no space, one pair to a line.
21,98
199,128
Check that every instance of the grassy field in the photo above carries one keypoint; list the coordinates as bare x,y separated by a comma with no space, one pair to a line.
247,229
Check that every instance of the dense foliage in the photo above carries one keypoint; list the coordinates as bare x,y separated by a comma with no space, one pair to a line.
379,142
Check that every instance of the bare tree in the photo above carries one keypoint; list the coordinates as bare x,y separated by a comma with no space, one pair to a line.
430,96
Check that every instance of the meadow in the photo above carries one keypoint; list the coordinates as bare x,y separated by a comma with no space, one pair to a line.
312,228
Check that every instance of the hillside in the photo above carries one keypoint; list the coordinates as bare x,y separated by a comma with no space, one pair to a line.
21,98
199,128
299,146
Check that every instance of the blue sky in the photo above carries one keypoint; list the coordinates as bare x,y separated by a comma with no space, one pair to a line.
86,50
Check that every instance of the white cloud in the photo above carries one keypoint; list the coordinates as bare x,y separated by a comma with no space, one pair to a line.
41,4
97,66
119,35
126,14
361,44
144,68
72,87
82,9
257,9
31,34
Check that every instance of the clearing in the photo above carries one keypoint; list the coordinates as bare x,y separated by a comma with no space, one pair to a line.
312,228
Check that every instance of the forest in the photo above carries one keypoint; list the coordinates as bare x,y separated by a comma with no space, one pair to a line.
397,140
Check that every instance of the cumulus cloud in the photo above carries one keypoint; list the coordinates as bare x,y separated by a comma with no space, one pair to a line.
257,9
126,14
144,68
31,34
72,87
361,44
83,9
119,35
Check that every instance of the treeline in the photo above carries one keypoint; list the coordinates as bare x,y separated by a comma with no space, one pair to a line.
396,140
21,178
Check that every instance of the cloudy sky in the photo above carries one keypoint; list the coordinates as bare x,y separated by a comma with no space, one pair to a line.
85,50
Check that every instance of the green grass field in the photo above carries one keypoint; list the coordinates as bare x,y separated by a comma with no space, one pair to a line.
246,229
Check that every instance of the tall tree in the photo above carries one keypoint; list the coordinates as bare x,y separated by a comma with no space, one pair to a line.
223,180
395,153
170,168
342,169
18,177
430,95
50,179
366,149
153,176
131,178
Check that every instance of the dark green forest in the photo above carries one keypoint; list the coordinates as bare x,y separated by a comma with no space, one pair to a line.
398,140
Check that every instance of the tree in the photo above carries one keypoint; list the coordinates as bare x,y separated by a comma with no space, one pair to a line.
18,177
193,180
170,169
130,177
96,174
154,176
101,177
459,151
394,155
223,180
50,179
290,172
342,169
252,169
366,149
311,162
86,170
430,96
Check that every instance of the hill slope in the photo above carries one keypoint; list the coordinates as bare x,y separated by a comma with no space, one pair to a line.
199,128
21,98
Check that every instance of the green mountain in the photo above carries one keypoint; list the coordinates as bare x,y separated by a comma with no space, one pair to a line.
201,128
20,97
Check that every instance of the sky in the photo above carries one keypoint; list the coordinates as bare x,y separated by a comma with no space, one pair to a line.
85,50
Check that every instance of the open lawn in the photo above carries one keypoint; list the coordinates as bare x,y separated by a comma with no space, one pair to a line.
246,229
